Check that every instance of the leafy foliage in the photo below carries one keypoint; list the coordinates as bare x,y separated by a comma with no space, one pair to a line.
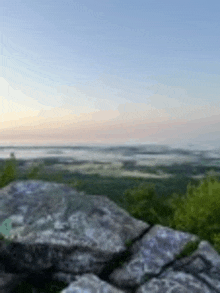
144,204
198,213
10,171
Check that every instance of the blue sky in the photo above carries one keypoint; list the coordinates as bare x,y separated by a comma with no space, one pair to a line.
110,72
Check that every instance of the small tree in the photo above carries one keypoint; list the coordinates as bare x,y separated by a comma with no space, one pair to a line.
10,171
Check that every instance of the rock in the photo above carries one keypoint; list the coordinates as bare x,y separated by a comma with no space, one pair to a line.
8,282
60,235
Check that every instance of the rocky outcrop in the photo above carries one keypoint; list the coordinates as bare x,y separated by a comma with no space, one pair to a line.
92,245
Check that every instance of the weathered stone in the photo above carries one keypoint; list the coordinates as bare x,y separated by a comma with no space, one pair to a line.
62,235
151,254
90,283
8,281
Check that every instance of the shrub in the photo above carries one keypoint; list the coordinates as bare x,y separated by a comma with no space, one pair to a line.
143,203
10,171
198,212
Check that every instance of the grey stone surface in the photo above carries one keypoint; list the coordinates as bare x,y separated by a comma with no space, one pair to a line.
82,240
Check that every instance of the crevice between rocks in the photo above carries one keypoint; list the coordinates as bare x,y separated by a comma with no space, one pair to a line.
178,266
118,260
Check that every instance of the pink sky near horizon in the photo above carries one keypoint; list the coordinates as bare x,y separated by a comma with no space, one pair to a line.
108,126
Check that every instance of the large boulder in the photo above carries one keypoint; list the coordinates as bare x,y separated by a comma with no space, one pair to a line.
92,245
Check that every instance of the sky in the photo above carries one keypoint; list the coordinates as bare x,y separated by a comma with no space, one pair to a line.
110,72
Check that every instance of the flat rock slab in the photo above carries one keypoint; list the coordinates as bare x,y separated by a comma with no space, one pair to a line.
54,225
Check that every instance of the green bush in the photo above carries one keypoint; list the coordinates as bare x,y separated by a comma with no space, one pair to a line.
143,203
198,212
10,171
